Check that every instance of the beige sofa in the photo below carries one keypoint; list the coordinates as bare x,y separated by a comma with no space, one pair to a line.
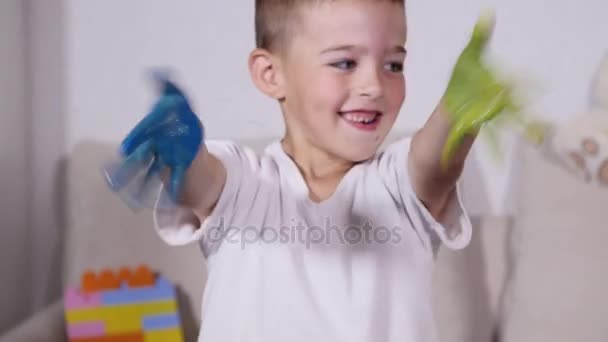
540,276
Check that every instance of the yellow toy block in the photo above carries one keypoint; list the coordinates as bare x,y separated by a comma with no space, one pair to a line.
126,304
127,310
165,335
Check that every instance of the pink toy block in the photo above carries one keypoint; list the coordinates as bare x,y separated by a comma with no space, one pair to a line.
88,329
75,299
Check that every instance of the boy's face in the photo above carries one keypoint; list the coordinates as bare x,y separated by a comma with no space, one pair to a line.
343,78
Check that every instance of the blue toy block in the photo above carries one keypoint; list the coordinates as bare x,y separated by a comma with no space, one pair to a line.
159,322
162,290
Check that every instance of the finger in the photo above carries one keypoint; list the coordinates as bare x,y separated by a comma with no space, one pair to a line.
482,32
162,77
145,190
118,175
154,170
534,131
171,88
494,107
177,179
491,135
148,125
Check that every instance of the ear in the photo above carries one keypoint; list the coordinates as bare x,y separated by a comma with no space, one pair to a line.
265,71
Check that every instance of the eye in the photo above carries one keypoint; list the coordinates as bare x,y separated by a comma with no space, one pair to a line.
395,67
346,64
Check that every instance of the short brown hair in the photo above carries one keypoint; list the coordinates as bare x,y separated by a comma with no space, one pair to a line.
272,18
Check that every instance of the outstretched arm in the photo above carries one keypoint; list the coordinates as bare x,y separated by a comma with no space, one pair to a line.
473,96
168,143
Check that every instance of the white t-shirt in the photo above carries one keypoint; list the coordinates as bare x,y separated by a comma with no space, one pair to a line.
355,267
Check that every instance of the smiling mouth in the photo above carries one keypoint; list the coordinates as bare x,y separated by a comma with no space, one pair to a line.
364,119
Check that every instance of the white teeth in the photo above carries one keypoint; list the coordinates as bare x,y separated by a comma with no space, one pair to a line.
357,118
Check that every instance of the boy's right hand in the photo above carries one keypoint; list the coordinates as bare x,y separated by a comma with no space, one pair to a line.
167,138
477,94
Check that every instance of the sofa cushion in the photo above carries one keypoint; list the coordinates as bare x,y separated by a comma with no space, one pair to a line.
556,288
102,232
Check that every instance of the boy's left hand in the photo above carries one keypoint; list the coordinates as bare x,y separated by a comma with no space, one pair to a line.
474,94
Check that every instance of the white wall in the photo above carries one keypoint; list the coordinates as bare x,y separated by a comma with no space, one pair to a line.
46,96
111,42
14,177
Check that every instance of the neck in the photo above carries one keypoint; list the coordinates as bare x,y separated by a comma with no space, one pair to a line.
314,163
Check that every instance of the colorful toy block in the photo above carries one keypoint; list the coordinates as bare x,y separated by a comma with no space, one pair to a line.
128,305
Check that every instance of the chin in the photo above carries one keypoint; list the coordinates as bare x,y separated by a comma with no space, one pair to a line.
358,152
352,143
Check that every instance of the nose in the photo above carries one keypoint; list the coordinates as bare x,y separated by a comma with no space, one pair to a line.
370,83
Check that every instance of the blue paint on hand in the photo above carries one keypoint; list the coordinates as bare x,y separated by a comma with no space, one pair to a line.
169,138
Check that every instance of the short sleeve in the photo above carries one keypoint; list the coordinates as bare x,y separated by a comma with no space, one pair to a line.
454,230
173,224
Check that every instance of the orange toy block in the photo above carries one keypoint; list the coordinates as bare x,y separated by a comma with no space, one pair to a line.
135,337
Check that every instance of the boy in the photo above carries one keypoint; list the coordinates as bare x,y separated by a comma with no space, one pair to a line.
322,238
